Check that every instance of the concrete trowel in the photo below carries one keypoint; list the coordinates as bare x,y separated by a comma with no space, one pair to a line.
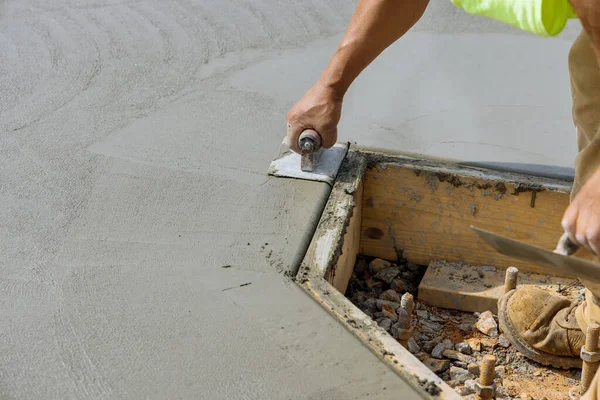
559,260
314,163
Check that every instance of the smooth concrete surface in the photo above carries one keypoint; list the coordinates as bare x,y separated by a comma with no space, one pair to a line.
476,96
134,141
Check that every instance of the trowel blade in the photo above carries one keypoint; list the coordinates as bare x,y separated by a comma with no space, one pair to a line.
564,265
287,164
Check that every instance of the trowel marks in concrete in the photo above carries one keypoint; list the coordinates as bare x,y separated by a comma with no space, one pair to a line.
130,55
450,96
100,296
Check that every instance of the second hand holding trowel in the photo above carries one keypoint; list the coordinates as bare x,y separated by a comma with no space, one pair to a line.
559,260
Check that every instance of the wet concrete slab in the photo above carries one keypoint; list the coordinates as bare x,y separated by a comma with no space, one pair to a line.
134,149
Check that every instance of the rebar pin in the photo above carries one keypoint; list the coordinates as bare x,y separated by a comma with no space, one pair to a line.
510,280
590,356
407,304
485,386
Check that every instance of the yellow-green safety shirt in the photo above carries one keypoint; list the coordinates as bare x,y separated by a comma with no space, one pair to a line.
542,17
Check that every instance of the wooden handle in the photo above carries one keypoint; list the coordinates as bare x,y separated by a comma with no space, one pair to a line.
313,136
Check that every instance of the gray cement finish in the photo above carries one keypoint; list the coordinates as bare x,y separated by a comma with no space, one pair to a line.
134,140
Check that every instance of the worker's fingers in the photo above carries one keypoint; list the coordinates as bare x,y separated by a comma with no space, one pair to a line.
329,137
592,234
582,218
569,222
582,229
319,109
565,246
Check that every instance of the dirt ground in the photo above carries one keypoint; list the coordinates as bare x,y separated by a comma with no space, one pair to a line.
452,343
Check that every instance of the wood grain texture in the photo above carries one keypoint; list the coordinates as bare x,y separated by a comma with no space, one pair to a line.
425,212
468,288
347,258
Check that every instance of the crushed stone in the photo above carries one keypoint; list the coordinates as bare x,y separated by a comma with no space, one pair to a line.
464,348
388,274
413,347
452,343
460,375
487,324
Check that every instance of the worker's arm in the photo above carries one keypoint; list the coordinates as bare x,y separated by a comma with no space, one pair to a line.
582,218
374,26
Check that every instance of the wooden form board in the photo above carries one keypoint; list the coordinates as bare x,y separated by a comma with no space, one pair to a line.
347,258
425,211
463,287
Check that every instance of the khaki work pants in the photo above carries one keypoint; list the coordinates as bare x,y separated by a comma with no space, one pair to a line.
585,90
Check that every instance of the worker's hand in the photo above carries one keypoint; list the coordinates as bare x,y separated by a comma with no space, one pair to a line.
582,218
320,109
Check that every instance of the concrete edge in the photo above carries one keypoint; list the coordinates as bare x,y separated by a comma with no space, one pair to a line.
309,233
328,183
323,252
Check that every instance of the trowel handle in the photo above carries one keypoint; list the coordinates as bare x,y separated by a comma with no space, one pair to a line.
565,246
309,141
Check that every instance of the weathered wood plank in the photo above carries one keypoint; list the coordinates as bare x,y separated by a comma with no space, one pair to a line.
347,258
459,286
426,211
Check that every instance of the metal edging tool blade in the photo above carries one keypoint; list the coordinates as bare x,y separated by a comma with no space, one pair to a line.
315,164
562,264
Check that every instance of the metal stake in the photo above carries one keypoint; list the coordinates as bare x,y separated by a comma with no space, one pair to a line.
510,280
407,304
590,356
485,386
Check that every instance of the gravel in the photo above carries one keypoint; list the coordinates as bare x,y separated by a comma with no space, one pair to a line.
503,341
401,286
500,371
489,343
429,346
464,348
387,275
380,303
391,295
487,325
451,343
455,355
438,351
385,323
473,368
436,366
413,347
430,327
440,348
389,312
474,344
460,375
377,265
395,330
369,305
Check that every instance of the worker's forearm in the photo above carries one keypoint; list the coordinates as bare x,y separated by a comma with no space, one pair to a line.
374,26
